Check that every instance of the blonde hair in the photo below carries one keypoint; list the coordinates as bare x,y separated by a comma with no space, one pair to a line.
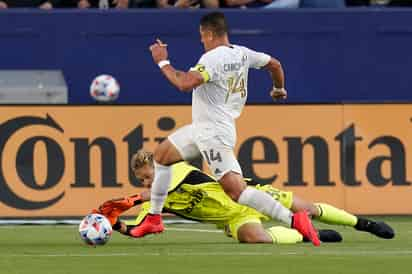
140,159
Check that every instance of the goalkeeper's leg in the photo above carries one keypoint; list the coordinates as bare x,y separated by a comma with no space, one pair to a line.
256,233
329,214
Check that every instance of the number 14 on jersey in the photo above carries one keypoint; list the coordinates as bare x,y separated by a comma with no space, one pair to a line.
235,85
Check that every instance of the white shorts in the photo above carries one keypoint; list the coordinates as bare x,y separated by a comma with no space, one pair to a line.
214,151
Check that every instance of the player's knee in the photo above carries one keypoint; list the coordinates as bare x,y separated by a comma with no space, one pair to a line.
300,204
233,185
313,210
159,155
165,153
234,194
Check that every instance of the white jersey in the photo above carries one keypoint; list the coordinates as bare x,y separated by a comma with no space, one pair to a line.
219,101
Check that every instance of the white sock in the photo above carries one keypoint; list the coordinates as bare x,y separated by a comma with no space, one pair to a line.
265,204
160,187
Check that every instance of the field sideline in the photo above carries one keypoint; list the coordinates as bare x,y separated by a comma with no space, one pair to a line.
197,249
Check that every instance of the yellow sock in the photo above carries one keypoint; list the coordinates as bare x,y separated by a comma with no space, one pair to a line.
283,235
331,215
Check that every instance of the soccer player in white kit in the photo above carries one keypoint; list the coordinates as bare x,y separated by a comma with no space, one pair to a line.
219,84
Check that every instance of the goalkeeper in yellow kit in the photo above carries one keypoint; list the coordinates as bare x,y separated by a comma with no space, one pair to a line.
196,196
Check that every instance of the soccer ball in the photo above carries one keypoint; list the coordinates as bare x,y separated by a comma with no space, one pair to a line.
104,88
95,229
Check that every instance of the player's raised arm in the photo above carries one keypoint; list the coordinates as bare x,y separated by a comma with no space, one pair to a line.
278,77
184,81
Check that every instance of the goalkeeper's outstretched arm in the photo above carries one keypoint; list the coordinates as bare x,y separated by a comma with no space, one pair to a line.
112,209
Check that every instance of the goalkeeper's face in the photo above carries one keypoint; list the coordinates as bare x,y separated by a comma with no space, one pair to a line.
145,175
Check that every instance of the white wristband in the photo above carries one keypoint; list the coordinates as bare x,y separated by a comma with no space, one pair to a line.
163,63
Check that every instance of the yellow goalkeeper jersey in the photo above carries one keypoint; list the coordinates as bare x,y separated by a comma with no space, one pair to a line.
197,196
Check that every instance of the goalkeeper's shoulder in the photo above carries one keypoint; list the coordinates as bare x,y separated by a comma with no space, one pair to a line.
181,169
183,165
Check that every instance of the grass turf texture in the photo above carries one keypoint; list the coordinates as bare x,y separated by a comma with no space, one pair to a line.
58,249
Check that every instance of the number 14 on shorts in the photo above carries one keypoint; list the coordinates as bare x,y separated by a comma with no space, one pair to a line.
212,156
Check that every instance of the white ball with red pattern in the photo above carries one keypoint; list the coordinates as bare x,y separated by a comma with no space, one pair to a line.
95,229
104,88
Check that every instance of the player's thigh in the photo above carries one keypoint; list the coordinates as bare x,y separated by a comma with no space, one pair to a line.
225,167
220,158
183,143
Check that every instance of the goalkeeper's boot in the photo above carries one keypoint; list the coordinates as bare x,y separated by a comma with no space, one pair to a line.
302,223
379,229
152,223
113,208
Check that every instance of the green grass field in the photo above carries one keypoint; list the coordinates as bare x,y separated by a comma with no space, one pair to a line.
197,249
